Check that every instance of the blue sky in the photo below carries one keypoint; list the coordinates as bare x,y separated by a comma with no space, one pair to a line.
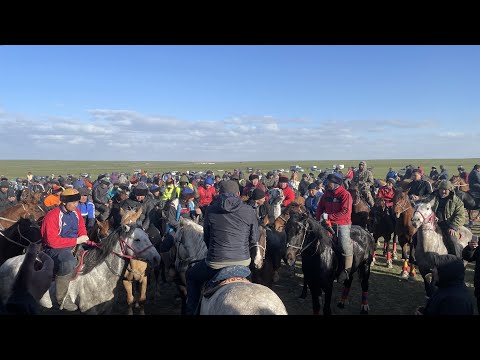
239,103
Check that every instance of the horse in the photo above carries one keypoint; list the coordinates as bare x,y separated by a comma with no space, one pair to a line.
93,288
462,190
26,208
383,226
306,237
17,237
404,230
360,209
238,298
430,240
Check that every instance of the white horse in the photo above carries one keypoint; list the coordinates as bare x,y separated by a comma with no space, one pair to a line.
93,289
275,200
430,238
235,298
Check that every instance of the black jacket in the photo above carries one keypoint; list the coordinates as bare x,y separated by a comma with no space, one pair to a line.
474,182
419,188
452,296
230,228
470,255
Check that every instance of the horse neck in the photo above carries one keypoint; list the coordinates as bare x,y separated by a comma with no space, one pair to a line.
14,213
429,240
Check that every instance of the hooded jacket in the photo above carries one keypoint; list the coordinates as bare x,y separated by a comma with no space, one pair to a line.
230,229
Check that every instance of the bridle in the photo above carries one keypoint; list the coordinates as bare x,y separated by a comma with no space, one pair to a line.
301,248
429,220
403,207
264,248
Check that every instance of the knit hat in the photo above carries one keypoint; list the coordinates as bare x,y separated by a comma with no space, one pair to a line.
258,194
84,191
229,186
69,195
445,184
362,162
141,189
312,186
252,176
4,184
391,180
186,193
183,179
209,181
154,188
335,179
283,179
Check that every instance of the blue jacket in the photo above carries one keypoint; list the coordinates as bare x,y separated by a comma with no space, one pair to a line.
88,213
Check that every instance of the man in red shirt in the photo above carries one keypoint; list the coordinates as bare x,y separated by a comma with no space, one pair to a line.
63,228
336,206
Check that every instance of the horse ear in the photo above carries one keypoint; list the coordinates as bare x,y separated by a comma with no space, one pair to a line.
125,227
122,212
137,214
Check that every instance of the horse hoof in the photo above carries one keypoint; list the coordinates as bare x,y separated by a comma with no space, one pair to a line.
404,275
394,256
364,312
341,305
389,264
130,311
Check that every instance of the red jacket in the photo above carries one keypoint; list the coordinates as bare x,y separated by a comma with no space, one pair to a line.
52,227
386,194
338,205
206,196
349,175
289,195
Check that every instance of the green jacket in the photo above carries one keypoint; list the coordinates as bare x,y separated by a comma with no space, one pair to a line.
454,210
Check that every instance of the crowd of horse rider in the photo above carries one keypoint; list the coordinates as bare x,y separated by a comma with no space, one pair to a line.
164,198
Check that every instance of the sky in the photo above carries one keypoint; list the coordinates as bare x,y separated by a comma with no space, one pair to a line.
239,103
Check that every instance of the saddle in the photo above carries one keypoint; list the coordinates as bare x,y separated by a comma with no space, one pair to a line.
226,275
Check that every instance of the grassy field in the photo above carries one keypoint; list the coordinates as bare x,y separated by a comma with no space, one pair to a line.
19,168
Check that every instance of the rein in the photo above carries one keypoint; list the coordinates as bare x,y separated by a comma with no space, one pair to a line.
301,248
403,206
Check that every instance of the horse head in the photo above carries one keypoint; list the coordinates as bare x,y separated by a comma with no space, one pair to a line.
137,245
401,202
189,244
423,214
257,251
275,196
296,229
129,218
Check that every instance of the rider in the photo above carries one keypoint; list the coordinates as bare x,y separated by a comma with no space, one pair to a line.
63,228
86,207
287,190
448,208
386,193
314,196
418,187
7,196
462,173
443,173
336,206
363,178
230,229
434,173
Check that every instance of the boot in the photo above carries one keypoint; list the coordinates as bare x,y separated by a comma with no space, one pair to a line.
61,284
345,273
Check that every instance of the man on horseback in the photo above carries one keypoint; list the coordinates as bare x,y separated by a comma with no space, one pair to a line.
7,196
449,210
462,173
230,229
418,188
363,178
336,206
314,196
62,229
474,183
386,193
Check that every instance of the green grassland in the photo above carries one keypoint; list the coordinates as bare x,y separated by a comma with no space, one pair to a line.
19,168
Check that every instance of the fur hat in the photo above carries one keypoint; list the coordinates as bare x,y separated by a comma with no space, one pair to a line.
69,195
283,179
141,189
229,186
362,162
4,184
84,191
334,178
258,194
253,176
446,185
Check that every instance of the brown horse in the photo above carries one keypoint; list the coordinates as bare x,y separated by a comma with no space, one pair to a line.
404,230
462,187
360,209
136,269
24,209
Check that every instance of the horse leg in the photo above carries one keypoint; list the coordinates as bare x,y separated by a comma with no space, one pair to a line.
130,300
412,263
394,246
364,273
405,269
346,290
328,299
316,294
303,295
143,295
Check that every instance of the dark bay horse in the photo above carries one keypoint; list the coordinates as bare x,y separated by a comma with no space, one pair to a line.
462,190
306,237
17,237
360,209
404,230
26,208
383,225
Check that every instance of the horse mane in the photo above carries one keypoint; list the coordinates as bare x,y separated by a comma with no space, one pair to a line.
320,232
190,227
98,255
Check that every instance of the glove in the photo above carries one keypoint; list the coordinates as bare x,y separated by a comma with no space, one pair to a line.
82,239
324,217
